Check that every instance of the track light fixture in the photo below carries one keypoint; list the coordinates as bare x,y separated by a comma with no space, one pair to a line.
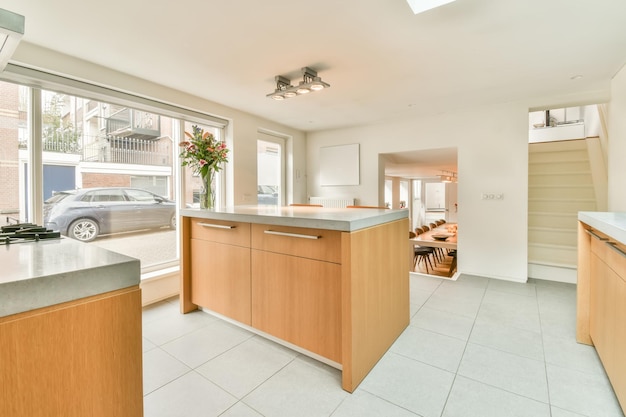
448,176
310,82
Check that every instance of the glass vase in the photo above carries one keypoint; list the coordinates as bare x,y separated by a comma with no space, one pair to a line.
207,194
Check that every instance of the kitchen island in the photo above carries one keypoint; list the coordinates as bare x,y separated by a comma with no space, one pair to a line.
330,283
70,331
601,292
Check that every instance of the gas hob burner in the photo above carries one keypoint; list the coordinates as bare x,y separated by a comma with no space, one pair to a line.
25,232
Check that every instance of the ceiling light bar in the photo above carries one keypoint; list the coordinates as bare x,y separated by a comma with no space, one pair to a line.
419,6
310,83
448,176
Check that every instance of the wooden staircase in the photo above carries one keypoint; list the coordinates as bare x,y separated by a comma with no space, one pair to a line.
562,180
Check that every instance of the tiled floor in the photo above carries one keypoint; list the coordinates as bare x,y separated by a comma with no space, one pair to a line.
476,347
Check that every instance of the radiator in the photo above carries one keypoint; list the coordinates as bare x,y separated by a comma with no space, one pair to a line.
332,202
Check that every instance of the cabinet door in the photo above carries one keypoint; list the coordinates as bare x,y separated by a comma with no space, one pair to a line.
619,379
220,278
599,295
298,300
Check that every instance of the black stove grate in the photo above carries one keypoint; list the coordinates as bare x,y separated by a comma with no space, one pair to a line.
25,232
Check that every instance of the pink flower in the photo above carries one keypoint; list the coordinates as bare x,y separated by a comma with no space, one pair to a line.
202,163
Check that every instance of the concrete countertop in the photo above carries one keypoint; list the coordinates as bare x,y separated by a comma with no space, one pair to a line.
342,219
610,223
49,272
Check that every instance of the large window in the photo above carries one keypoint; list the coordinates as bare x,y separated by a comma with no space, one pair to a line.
108,172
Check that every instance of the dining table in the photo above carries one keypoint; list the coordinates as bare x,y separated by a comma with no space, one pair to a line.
443,236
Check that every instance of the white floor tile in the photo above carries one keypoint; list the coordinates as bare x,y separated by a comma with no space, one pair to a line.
201,345
567,353
175,325
415,386
559,412
159,368
246,366
240,410
508,339
301,388
509,309
476,347
516,374
443,322
189,395
526,289
434,349
457,304
473,399
581,392
363,404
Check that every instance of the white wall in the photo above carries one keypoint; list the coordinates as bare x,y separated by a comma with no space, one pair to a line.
241,134
617,143
492,145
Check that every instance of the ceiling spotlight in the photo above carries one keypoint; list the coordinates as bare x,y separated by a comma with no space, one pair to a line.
310,82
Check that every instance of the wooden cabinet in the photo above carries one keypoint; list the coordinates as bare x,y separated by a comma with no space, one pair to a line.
601,304
76,359
341,296
220,267
296,286
298,300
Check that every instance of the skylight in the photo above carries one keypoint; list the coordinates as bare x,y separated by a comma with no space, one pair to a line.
419,6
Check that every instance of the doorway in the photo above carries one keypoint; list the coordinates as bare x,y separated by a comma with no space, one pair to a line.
425,182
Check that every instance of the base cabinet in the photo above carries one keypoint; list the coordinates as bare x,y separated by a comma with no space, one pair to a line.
601,315
76,359
342,296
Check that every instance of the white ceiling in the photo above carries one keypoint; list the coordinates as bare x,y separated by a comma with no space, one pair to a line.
381,60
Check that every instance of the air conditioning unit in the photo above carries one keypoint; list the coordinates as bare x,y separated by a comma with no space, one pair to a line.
11,31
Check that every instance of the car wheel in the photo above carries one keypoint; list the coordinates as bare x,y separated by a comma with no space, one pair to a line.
84,230
173,221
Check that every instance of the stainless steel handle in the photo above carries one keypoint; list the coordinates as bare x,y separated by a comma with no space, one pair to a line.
216,226
594,235
298,235
613,246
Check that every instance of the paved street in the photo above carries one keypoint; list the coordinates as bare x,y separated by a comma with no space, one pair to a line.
149,246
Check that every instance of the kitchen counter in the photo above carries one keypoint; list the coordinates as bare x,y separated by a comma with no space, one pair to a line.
70,331
331,283
49,272
601,292
609,223
341,219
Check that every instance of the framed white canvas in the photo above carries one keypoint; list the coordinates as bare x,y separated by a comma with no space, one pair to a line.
339,165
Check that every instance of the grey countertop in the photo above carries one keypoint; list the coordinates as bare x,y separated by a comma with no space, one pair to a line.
342,219
609,223
40,274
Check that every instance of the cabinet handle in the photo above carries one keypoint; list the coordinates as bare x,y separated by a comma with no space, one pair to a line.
594,235
613,246
298,235
216,226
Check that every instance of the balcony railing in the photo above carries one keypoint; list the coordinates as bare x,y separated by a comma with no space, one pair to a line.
112,149
130,123
130,151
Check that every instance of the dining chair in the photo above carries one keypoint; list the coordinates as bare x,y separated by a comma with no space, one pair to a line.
421,253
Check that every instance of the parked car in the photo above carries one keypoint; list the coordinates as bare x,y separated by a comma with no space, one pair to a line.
267,194
87,213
